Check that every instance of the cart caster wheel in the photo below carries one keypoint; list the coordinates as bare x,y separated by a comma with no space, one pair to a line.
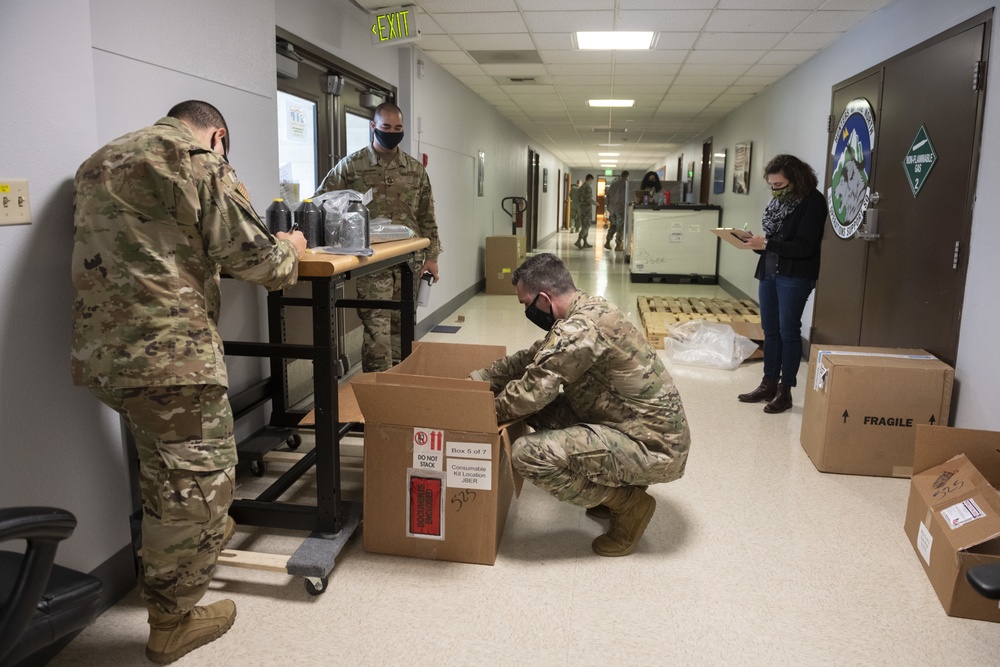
294,441
316,586
258,468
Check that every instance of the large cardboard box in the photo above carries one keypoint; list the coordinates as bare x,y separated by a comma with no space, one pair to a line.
862,404
503,255
953,513
438,480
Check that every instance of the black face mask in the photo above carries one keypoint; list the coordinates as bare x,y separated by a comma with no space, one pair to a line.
389,140
539,317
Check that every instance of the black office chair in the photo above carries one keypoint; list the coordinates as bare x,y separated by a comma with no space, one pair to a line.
985,580
42,605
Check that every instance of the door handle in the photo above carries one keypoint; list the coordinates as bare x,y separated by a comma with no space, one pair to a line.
868,231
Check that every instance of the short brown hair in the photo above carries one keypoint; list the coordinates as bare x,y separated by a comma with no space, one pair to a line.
799,174
544,273
387,108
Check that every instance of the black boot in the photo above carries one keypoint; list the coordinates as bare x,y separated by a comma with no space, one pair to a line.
765,392
782,400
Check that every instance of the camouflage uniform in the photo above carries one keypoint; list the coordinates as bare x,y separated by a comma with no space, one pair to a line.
618,419
615,204
158,215
400,191
574,208
586,210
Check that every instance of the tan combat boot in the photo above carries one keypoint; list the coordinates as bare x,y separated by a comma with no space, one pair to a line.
619,247
631,508
174,635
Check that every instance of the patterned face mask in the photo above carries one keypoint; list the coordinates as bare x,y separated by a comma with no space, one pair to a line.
781,193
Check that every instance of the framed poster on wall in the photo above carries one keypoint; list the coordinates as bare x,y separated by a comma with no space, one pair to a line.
719,172
741,168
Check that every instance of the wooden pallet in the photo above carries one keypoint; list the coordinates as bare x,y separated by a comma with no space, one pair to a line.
660,313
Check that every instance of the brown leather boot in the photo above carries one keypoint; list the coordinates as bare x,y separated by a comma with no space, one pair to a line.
782,400
603,512
631,508
764,392
174,635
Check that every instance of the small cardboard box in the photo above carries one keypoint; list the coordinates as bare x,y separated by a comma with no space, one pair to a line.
953,513
437,473
862,403
503,255
754,332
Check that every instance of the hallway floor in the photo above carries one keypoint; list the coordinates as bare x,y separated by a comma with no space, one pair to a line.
752,558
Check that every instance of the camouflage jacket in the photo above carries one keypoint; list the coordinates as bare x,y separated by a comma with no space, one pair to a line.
158,216
608,374
614,197
400,191
586,196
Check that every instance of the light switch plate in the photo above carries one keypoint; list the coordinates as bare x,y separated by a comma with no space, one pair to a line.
15,205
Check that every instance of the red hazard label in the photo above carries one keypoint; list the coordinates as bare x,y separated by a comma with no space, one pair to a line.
425,505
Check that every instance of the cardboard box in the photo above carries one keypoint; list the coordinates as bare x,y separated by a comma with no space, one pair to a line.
754,332
953,513
438,478
862,404
503,255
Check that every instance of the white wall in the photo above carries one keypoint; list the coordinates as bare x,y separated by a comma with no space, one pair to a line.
790,117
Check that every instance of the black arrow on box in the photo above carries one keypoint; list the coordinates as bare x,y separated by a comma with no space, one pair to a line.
845,416
932,420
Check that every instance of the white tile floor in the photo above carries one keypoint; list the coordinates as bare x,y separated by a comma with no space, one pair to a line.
753,558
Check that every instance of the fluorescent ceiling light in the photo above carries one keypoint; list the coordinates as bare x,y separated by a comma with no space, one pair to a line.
609,40
610,145
613,154
610,103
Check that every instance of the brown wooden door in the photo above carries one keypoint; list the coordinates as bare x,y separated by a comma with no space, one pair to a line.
912,276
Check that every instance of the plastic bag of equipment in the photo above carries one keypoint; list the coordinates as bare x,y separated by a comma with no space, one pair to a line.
344,231
709,344
383,229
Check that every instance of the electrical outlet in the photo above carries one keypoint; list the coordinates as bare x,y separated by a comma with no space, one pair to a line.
15,205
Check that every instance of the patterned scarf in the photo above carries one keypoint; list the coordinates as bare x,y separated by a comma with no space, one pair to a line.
776,212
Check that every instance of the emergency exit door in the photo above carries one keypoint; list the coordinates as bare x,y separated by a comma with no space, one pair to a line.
903,286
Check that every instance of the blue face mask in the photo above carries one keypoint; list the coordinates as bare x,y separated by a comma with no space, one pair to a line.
539,317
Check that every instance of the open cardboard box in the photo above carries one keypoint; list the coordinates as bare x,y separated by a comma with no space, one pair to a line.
438,477
953,513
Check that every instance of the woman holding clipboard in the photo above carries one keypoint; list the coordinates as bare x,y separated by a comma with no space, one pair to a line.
793,224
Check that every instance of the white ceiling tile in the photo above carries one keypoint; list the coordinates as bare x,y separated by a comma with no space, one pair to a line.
556,41
832,21
444,6
666,4
575,57
715,89
596,80
648,57
696,69
515,69
869,6
428,26
755,21
771,4
762,81
658,78
770,70
462,70
786,57
523,89
739,40
700,56
450,57
477,80
564,69
685,80
565,5
804,41
437,43
680,20
484,42
541,22
653,70
491,22
672,41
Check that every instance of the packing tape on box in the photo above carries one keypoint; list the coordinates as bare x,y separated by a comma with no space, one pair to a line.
822,371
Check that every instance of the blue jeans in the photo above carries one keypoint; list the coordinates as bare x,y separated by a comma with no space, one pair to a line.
782,300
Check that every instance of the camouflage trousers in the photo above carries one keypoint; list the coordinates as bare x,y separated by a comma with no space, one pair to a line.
617,223
187,459
381,346
586,219
582,463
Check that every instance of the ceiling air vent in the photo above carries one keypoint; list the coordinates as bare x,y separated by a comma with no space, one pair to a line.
522,79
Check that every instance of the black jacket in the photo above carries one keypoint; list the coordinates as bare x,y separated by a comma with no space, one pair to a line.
797,241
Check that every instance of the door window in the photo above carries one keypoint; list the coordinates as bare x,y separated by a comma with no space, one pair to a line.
297,147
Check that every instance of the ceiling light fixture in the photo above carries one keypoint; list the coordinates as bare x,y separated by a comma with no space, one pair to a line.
608,154
614,40
610,145
611,103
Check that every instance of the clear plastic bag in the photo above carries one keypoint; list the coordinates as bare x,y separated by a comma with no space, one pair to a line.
344,231
383,230
709,344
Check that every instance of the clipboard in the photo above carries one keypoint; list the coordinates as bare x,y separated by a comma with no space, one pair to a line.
732,236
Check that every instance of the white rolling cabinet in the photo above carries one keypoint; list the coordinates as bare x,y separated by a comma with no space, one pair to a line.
673,244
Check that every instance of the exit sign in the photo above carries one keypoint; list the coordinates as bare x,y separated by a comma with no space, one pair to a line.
395,25
609,172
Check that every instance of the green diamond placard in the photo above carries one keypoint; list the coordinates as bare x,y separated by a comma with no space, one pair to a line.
919,160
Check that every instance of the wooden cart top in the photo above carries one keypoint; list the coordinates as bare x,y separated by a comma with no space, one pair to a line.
322,265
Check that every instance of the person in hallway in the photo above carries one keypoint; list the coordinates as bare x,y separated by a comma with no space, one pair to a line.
574,206
608,419
158,213
587,203
616,207
788,267
401,191
650,191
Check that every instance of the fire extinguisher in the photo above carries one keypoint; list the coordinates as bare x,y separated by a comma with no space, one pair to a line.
516,213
